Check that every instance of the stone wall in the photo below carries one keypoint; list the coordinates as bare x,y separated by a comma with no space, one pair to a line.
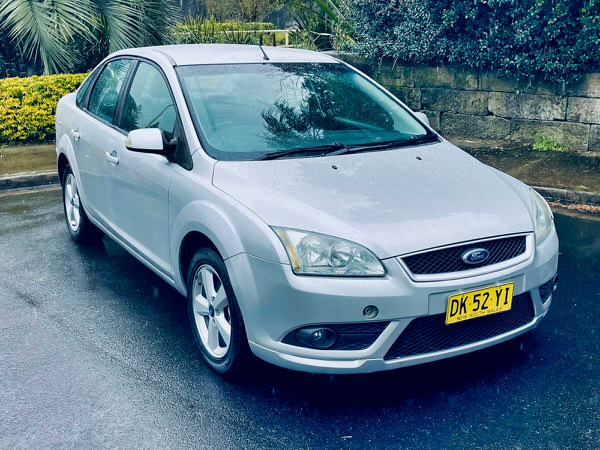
474,104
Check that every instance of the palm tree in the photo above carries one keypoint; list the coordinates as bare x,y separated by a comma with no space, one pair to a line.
44,29
324,20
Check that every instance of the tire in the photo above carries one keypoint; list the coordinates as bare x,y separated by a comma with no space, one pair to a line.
78,223
214,313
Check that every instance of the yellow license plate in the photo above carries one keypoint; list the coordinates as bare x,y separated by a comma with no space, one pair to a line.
482,302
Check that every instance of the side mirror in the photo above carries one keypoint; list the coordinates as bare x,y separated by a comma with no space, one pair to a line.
423,118
146,140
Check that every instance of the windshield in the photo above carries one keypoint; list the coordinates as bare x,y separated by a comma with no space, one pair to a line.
245,111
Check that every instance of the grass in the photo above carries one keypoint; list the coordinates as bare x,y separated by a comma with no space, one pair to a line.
544,143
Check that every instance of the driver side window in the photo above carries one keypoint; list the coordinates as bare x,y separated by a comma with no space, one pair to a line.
149,103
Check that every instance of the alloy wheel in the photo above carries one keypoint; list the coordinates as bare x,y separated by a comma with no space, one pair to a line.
72,203
211,311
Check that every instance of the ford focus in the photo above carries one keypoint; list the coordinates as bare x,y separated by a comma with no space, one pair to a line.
310,218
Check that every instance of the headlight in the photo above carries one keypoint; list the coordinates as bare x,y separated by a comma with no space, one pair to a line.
319,254
542,217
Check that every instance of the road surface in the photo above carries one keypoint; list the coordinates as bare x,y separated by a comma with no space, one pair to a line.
95,351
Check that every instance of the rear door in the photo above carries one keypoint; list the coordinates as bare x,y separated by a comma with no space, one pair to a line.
95,136
139,182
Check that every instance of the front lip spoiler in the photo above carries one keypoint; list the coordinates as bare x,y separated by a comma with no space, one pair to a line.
369,365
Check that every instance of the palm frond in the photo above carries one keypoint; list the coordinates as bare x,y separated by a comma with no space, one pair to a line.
42,29
123,21
160,18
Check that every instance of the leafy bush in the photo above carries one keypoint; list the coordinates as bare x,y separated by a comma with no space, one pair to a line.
403,30
558,39
27,105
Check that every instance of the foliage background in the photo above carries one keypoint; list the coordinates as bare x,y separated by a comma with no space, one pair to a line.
28,105
558,39
53,33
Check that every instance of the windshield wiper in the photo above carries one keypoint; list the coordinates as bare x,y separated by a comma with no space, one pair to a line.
340,149
406,142
324,149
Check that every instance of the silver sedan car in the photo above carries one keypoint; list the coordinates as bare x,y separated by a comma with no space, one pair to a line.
310,218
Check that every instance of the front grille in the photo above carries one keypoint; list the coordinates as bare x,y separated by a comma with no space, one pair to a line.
431,334
450,260
351,336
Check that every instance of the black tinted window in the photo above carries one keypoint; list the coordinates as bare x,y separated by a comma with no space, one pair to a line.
149,103
105,94
244,111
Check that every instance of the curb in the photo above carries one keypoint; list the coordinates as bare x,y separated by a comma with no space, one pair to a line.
27,181
568,196
36,180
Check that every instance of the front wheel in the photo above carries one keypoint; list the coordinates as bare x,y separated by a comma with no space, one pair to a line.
215,316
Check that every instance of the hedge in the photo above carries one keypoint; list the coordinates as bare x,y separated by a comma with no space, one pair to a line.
28,105
557,39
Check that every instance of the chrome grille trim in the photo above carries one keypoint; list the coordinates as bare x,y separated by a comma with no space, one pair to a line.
525,256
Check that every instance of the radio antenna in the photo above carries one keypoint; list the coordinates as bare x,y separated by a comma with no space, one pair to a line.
260,42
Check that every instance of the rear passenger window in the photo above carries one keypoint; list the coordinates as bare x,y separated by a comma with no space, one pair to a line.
149,103
105,94
85,87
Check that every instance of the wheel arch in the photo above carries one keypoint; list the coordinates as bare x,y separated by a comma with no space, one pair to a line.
62,163
191,243
225,227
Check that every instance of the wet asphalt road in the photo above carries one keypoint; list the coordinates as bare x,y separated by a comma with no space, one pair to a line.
95,351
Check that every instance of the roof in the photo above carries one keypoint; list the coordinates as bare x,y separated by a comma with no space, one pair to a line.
193,54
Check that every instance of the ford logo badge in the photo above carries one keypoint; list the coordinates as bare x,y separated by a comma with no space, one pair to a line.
475,256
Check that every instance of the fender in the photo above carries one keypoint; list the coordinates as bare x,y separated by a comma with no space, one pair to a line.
65,147
230,237
64,110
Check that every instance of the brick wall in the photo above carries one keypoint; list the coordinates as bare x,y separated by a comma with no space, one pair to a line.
474,104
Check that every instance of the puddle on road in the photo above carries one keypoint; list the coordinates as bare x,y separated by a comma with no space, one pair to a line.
553,169
16,209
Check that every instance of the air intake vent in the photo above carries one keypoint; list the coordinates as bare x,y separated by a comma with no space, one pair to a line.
431,334
450,259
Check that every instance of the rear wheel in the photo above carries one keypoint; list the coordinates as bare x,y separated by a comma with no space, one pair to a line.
215,316
78,223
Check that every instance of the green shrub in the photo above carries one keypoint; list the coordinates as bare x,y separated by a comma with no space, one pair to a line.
558,39
544,143
229,26
402,30
28,105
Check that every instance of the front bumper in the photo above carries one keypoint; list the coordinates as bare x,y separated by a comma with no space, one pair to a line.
274,302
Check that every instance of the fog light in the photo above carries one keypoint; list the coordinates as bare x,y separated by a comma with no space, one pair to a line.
317,337
548,288
370,312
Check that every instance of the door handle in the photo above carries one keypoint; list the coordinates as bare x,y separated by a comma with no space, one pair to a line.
75,134
112,157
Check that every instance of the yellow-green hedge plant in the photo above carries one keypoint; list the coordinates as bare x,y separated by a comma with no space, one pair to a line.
27,105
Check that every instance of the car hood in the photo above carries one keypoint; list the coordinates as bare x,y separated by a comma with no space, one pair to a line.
393,202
